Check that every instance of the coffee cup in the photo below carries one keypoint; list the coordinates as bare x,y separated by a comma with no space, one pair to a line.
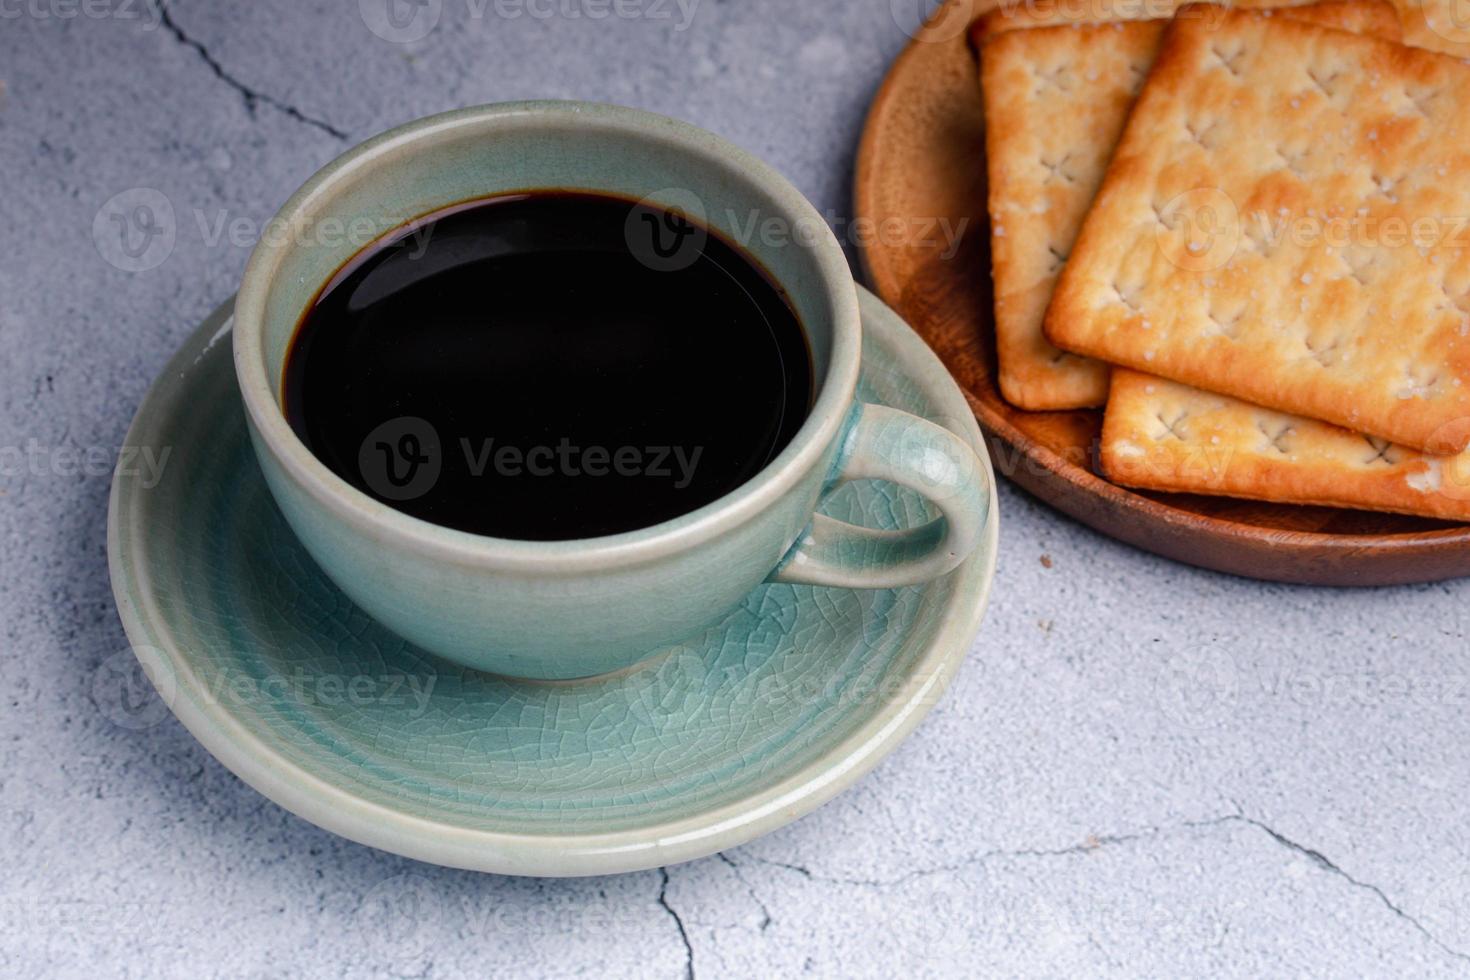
567,609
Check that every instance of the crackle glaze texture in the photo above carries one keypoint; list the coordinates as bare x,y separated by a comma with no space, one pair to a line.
546,610
238,627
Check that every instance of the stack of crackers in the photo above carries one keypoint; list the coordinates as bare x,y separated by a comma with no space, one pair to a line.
1246,232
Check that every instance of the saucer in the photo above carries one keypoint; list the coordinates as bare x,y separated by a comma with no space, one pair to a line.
731,734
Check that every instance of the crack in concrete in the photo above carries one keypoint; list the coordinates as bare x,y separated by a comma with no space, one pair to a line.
663,900
766,919
1323,862
1091,844
1094,843
252,97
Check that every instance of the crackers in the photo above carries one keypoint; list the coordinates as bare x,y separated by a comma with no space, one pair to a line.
1161,435
1438,25
1378,17
1285,221
1056,99
1042,175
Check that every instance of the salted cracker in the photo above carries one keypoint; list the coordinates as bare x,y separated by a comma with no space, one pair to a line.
1161,435
1287,220
1439,25
1056,99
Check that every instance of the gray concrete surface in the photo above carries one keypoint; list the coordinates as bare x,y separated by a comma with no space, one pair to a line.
1142,770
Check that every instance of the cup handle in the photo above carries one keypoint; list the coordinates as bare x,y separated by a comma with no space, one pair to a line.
882,443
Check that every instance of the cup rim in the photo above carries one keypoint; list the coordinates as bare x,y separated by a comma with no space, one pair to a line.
735,508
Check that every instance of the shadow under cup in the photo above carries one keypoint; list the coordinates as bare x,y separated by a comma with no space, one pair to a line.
565,609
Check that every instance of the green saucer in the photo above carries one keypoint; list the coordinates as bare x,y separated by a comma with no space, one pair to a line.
729,735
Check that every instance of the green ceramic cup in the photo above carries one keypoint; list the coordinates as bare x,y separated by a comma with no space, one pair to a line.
571,609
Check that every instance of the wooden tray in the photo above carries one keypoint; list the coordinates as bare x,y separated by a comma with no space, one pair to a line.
922,159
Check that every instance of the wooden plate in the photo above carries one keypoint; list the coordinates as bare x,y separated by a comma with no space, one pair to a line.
922,161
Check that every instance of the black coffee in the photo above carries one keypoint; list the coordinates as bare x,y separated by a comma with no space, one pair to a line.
549,366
